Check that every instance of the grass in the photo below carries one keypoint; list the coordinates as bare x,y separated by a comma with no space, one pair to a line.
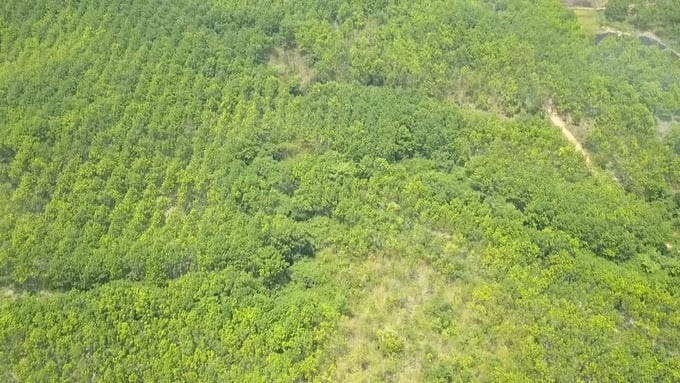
389,334
410,319
291,63
589,19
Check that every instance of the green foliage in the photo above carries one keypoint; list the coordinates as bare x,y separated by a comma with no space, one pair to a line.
617,10
176,206
390,343
661,16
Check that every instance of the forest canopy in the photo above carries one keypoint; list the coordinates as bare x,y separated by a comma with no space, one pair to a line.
337,191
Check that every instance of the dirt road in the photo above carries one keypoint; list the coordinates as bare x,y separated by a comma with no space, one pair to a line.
560,123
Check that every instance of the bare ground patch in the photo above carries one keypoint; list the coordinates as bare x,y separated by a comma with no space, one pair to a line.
556,120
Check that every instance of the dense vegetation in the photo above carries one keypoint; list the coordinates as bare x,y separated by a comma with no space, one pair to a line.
334,191
661,16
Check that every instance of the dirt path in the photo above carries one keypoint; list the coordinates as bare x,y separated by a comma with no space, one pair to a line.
560,123
601,6
587,8
653,36
637,33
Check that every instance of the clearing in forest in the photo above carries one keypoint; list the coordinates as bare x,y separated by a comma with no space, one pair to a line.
560,123
590,19
290,63
391,330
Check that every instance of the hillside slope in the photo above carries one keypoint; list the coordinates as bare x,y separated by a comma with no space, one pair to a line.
333,191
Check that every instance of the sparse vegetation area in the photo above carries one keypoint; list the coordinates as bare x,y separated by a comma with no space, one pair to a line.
589,19
660,17
291,66
335,191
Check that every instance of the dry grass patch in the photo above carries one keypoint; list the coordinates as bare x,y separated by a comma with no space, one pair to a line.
291,64
391,334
